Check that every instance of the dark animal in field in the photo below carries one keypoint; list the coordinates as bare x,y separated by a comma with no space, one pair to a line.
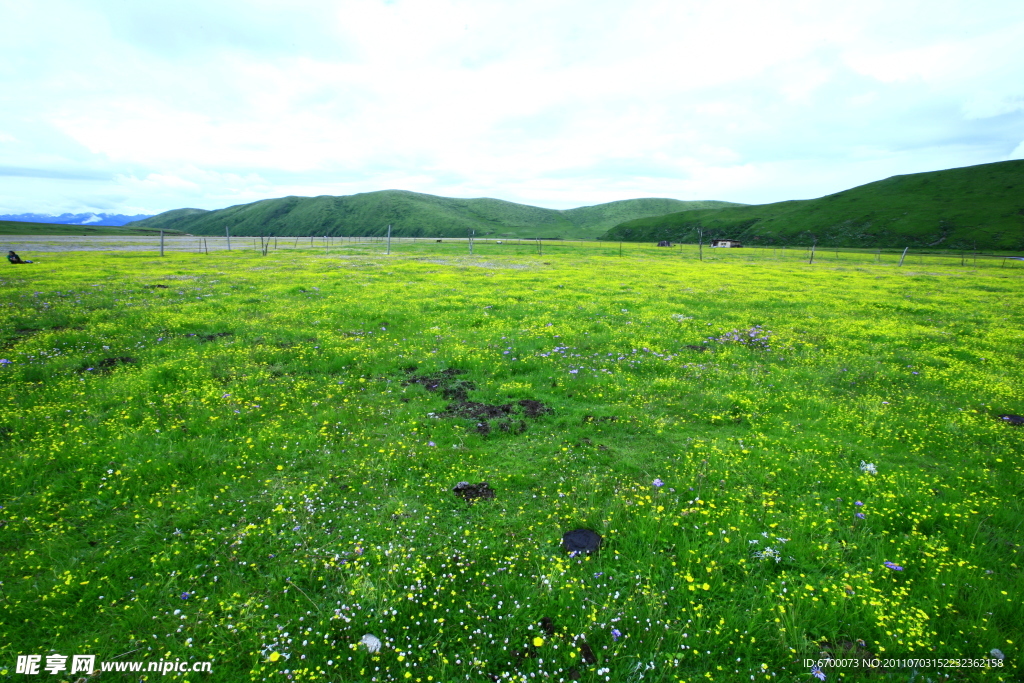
1015,420
664,243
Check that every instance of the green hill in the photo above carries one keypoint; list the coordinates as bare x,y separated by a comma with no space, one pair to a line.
411,215
22,228
962,208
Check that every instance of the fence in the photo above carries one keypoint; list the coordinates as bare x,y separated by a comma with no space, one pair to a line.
515,246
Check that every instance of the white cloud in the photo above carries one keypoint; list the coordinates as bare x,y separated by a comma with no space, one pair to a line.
198,103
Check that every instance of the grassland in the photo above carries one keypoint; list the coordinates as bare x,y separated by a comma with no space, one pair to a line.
411,214
250,460
977,207
23,228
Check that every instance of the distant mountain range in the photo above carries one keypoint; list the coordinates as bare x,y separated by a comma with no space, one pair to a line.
975,207
960,208
412,214
74,218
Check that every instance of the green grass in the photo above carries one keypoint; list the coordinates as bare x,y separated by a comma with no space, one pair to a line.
962,208
21,228
411,214
222,457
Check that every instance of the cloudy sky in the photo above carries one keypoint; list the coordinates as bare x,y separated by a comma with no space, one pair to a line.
141,107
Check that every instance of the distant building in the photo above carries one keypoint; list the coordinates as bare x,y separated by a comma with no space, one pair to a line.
726,243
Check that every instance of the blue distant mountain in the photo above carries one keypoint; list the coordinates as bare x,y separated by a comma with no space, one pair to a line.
74,218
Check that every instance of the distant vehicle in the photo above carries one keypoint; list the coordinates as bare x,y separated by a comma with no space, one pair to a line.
726,243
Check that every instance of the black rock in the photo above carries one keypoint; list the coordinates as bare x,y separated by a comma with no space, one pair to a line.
1015,420
470,492
581,541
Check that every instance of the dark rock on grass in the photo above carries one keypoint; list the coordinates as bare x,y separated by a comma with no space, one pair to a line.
488,411
587,655
470,492
1015,420
512,426
478,411
581,541
482,412
443,382
533,408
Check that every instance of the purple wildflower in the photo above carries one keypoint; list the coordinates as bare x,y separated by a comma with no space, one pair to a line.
431,444
817,673
616,634
860,515
185,596
658,483
4,361
858,503
893,566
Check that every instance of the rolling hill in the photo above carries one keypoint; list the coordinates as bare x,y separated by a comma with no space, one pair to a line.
412,214
962,208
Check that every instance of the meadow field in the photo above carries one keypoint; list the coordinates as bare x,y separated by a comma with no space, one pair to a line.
249,461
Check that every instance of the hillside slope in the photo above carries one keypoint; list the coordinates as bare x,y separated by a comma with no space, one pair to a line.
961,208
410,214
